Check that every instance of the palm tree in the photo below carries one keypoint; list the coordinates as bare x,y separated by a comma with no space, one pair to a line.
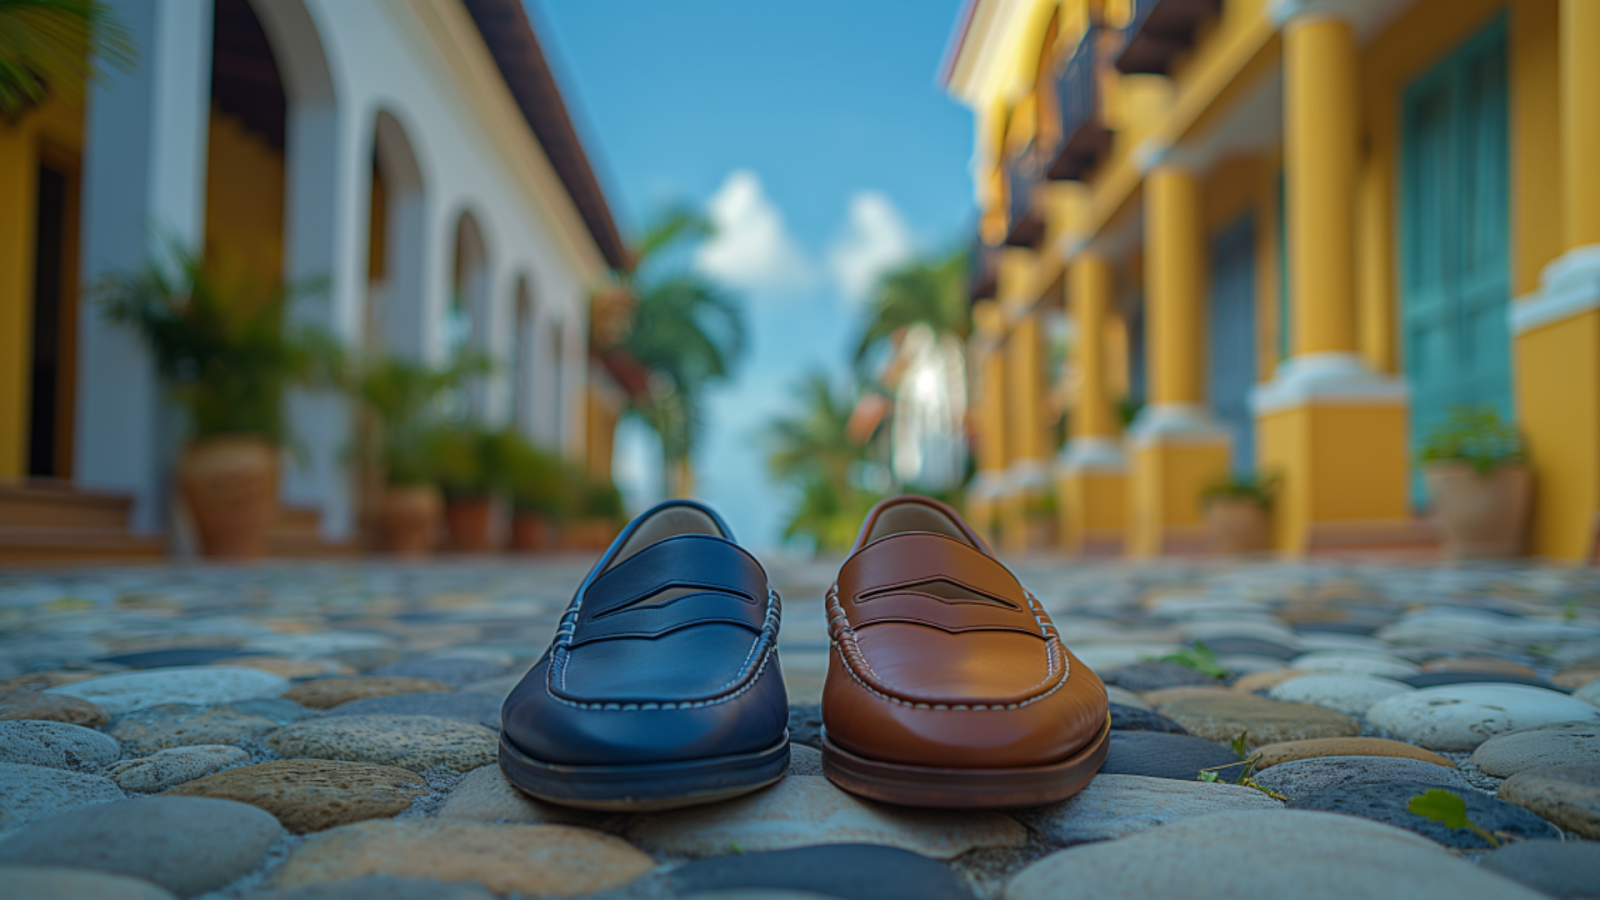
812,451
924,291
52,45
689,334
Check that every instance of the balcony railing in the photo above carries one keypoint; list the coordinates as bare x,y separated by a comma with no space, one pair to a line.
1159,31
1025,226
1084,136
983,270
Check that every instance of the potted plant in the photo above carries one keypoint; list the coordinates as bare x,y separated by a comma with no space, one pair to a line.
225,353
407,399
1475,467
538,493
1238,512
464,469
597,513
1041,512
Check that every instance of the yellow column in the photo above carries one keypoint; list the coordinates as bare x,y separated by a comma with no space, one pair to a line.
988,421
1331,427
19,185
1177,447
1092,481
1028,472
1580,126
1557,327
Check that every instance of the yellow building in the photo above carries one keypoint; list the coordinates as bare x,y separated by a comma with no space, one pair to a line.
1292,234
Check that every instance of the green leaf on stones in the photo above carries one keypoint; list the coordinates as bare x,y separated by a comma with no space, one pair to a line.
1208,777
1448,809
1199,658
1239,744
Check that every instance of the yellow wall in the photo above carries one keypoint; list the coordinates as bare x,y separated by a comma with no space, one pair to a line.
1536,237
1558,398
602,422
53,134
244,203
1164,492
1093,509
19,172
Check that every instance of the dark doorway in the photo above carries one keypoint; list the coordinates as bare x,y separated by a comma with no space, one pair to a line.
47,411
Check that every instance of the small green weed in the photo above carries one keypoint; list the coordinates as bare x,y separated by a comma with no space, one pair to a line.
1199,658
1448,809
1240,745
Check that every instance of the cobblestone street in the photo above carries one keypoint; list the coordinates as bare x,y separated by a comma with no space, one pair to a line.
285,728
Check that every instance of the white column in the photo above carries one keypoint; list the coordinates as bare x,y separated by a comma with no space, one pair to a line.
500,319
328,192
575,382
546,392
144,171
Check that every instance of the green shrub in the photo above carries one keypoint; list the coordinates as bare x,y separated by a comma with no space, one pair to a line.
222,346
459,465
407,399
597,499
534,478
1477,436
1248,486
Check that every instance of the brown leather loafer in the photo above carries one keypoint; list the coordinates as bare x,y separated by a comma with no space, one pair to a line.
948,686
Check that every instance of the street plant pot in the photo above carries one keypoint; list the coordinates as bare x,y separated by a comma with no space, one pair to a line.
1238,525
588,534
467,522
1482,515
1042,533
531,532
408,519
230,486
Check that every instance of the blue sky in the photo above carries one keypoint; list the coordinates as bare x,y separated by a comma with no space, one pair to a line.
815,134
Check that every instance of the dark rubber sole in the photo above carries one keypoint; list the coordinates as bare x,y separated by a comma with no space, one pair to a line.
965,788
648,787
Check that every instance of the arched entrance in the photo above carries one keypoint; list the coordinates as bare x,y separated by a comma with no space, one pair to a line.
467,314
397,216
523,374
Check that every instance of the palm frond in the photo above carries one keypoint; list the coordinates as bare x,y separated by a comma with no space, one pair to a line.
54,45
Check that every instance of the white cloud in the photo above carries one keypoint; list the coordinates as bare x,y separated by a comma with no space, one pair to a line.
751,248
874,240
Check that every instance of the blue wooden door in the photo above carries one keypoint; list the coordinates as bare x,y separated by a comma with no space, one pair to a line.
1455,248
1232,358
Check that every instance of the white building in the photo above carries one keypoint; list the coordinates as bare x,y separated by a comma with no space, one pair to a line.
407,151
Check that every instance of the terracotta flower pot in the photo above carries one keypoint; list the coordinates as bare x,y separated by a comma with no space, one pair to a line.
1481,515
531,532
230,485
467,521
589,534
408,520
1238,525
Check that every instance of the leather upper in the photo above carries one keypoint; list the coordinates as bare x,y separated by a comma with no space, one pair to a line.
668,654
942,659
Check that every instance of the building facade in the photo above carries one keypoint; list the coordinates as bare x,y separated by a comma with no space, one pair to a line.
414,156
1289,237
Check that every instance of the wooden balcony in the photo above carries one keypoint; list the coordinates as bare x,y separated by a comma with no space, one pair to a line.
1026,223
1159,31
1084,136
983,271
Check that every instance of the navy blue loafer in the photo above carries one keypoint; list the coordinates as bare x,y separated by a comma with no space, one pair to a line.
661,688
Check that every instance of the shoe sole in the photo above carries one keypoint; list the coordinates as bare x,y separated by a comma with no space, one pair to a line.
965,788
649,787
